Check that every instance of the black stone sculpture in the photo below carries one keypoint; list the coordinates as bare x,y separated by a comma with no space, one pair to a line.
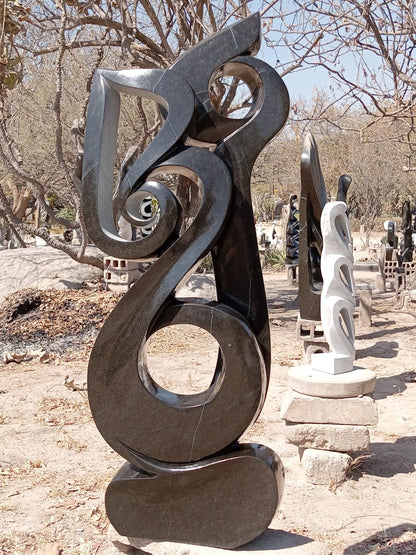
406,250
313,198
292,240
344,183
187,478
390,242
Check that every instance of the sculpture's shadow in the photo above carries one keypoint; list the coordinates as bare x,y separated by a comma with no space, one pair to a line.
391,540
274,540
391,385
390,458
271,540
381,349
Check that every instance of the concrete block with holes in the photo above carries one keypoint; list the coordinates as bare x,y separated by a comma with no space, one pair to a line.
120,272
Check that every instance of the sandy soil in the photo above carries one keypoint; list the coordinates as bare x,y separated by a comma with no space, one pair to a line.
54,465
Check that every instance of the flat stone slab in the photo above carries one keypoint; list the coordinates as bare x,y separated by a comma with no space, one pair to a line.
332,437
361,411
304,379
325,467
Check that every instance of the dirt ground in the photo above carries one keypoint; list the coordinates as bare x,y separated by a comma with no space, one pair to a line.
54,465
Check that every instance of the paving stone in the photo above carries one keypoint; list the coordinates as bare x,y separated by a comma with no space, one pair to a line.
361,411
325,467
304,379
333,437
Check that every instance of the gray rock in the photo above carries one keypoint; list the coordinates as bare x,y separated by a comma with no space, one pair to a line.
332,437
325,467
44,268
360,411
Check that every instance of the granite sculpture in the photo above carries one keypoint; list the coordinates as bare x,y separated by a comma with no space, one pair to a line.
187,478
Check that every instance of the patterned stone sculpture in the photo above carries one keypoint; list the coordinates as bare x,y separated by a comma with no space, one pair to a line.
313,198
338,292
187,478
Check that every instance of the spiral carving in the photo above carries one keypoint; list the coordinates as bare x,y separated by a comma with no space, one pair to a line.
187,478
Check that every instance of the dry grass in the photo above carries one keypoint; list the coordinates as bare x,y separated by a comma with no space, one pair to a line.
65,441
180,339
60,411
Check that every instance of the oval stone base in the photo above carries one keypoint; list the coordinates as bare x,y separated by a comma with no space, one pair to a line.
224,502
303,379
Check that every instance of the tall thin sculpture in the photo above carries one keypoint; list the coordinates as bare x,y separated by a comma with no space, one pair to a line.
187,478
313,198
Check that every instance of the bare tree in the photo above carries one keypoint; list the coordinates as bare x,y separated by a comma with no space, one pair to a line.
53,48
369,49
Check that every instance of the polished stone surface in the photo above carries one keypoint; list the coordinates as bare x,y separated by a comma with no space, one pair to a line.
225,501
313,198
182,451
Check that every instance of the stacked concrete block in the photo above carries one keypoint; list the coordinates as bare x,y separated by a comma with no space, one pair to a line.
331,423
120,273
328,408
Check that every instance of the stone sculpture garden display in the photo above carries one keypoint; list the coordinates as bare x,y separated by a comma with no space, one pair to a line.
187,478
396,258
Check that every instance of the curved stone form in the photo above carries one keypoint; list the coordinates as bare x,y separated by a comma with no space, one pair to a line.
338,292
313,198
187,478
406,251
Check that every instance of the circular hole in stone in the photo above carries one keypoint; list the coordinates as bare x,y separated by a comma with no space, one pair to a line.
182,358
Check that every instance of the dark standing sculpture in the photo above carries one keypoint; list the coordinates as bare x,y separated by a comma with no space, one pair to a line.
187,478
313,197
406,251
292,239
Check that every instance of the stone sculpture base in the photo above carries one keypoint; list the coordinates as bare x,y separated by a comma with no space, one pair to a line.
208,503
327,417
